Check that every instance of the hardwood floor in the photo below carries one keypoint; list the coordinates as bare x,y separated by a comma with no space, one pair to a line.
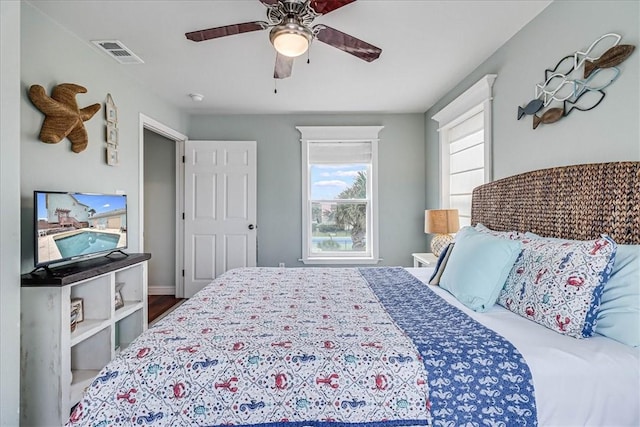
158,304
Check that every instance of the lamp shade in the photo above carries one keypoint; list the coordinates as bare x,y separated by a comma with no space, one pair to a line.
441,221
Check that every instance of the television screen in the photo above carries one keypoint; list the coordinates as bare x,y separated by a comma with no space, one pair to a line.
72,225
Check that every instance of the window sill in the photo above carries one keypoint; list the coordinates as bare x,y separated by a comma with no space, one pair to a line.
341,260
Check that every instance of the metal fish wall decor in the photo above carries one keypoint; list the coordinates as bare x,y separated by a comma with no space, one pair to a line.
552,115
577,82
532,107
614,56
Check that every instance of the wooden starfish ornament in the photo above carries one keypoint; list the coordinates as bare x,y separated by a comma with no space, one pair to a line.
63,118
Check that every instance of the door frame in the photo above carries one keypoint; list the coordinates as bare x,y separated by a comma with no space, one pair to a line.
146,122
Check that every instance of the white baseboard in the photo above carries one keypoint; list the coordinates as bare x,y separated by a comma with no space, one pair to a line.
162,290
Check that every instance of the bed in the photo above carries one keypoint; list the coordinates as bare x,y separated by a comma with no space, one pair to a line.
380,347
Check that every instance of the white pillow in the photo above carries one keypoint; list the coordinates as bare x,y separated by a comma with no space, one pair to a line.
512,235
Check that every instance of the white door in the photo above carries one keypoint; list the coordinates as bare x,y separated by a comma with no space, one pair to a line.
220,210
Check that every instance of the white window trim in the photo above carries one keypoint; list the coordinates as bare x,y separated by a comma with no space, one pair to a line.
337,134
474,100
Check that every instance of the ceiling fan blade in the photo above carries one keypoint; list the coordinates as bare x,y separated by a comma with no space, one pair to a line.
322,7
347,43
269,2
283,67
227,30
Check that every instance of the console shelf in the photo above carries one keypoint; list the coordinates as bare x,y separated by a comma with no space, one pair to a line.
57,363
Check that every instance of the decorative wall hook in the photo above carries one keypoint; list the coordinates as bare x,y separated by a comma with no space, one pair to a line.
63,118
111,116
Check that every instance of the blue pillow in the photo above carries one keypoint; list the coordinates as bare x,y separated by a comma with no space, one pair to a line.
442,263
478,267
619,315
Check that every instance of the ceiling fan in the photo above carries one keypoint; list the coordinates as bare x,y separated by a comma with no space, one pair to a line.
291,31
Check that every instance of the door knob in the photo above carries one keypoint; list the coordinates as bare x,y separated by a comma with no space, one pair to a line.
251,227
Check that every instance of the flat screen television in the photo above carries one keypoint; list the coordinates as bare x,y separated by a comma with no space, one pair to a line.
69,226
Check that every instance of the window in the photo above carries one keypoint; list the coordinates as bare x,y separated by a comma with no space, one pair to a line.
465,146
339,194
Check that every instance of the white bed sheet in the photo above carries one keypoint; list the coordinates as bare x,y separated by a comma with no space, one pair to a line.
578,382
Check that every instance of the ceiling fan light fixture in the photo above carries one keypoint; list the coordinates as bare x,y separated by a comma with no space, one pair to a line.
290,39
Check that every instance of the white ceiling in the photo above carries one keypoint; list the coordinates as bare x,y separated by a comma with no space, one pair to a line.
427,48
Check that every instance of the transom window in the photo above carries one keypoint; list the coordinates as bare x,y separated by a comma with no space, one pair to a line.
339,194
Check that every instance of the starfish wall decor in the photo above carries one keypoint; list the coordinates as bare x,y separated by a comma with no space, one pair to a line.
63,118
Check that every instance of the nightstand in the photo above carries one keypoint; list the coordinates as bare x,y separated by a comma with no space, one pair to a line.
424,260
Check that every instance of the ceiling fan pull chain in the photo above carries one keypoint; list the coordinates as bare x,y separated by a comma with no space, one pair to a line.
275,86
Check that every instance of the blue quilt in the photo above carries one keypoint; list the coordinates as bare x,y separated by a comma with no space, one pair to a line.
476,377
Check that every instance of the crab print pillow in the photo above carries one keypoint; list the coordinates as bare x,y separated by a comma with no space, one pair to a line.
559,283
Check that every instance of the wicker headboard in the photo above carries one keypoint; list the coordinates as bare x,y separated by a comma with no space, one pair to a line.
572,202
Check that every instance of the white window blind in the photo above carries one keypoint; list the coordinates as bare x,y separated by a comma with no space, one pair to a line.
466,163
465,146
339,152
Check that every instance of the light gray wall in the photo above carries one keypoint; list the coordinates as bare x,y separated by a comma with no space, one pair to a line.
609,132
10,215
401,178
160,210
50,56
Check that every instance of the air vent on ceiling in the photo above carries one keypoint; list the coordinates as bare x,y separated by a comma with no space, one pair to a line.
118,51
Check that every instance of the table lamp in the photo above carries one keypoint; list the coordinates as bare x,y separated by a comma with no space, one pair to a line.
441,222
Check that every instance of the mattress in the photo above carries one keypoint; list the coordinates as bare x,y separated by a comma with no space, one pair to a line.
578,382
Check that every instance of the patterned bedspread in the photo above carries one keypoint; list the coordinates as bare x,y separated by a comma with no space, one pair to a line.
264,346
311,346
